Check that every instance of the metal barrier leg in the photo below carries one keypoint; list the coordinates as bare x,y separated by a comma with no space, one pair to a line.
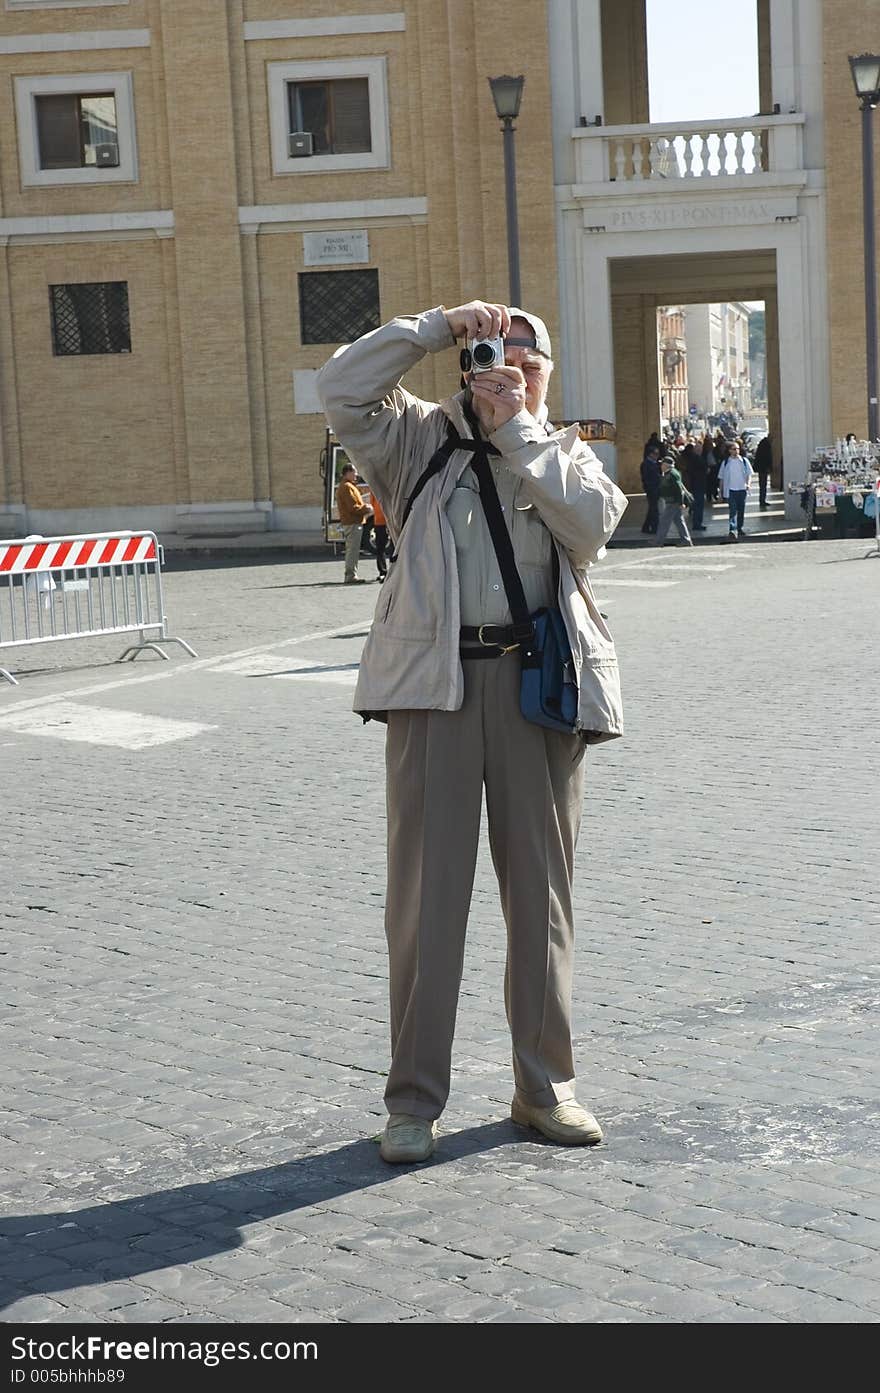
183,643
131,653
8,676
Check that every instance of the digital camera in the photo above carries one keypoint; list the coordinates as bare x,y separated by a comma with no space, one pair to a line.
486,354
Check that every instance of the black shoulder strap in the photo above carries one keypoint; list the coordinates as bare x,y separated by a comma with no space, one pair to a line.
437,462
523,628
434,465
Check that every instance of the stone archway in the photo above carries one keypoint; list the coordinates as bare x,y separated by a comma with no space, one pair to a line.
638,286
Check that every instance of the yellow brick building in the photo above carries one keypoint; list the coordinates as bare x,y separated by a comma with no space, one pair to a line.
145,172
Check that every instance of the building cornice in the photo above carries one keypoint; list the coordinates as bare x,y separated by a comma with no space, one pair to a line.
286,216
87,227
80,42
324,26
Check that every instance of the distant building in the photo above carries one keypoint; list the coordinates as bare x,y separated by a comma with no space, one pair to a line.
672,362
719,366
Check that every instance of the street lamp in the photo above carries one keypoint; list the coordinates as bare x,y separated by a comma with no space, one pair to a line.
866,77
507,95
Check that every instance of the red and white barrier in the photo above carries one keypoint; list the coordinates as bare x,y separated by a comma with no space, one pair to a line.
82,587
73,552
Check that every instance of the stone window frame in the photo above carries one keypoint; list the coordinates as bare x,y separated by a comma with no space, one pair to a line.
279,75
71,84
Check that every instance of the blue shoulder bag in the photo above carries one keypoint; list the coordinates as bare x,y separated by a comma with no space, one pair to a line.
549,693
548,690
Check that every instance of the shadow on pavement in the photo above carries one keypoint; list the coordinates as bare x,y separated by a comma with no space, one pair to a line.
301,585
321,670
125,1238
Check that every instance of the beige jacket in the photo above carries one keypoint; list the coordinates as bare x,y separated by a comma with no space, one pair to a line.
411,658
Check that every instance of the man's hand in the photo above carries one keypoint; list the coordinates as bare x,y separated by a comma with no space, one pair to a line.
498,395
478,320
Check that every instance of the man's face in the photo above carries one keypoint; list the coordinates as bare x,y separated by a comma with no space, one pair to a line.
535,368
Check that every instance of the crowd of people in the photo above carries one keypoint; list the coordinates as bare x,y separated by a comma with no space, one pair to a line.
680,473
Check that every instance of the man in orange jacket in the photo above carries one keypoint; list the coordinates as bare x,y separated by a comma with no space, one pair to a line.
353,513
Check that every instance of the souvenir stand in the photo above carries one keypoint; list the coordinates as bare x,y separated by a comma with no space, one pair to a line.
842,480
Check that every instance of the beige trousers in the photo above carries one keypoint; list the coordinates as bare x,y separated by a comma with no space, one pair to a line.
437,765
352,532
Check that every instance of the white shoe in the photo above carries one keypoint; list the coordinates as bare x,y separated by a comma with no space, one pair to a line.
568,1122
407,1139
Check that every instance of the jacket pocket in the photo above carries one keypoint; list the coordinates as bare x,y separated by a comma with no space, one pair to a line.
534,545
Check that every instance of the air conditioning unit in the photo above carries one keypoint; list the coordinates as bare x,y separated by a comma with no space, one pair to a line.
300,143
107,156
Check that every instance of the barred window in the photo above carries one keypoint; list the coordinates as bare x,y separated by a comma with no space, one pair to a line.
90,318
338,306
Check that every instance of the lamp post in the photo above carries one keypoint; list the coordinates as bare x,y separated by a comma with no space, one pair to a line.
866,77
507,95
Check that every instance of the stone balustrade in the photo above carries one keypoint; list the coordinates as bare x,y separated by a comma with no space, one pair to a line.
713,151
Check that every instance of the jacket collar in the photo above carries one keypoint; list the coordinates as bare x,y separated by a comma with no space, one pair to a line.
453,408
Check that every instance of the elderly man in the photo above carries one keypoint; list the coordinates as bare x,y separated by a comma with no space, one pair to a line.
454,723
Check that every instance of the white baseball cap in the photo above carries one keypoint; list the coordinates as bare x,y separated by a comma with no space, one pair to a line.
539,329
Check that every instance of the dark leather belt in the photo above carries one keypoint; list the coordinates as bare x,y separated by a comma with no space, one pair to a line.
488,640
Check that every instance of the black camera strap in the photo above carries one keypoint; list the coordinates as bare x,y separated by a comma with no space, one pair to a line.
523,627
438,461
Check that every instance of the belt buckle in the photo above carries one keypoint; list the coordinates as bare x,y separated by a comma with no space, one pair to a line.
490,643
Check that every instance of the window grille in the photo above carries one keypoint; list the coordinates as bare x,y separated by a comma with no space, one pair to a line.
90,318
338,306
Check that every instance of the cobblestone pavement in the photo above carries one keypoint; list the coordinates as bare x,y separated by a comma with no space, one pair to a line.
194,1007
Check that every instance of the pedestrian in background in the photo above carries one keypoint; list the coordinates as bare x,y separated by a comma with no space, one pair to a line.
380,533
764,468
353,513
713,466
673,496
695,480
736,477
651,476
